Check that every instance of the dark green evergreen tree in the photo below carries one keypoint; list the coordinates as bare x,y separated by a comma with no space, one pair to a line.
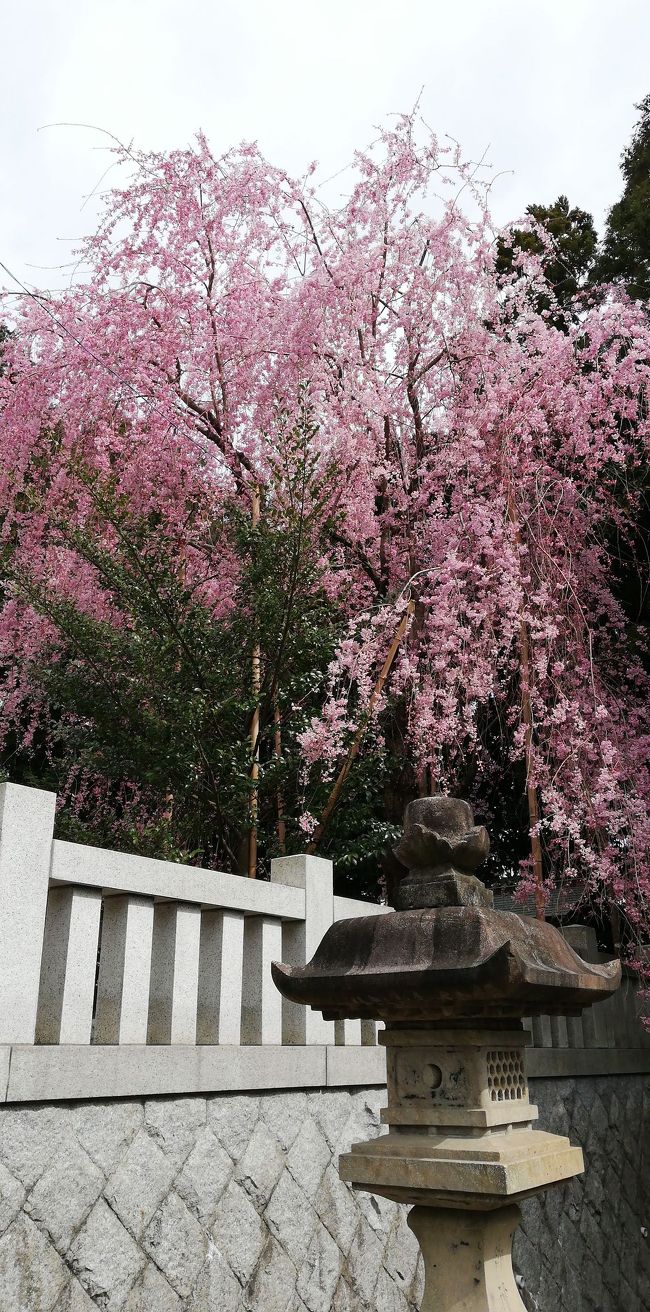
568,265
625,253
625,258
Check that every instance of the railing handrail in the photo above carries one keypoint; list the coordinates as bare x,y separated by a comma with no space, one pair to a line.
126,872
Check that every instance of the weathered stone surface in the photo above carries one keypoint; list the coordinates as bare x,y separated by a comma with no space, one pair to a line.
140,1183
291,1218
238,1232
32,1274
64,1195
152,1293
377,1211
206,1173
318,1276
440,837
12,1197
467,1258
174,1123
232,1121
240,1257
272,1284
344,1299
388,1296
443,964
308,1158
75,1299
29,1138
105,1129
261,1165
401,1253
585,1240
364,1260
338,1208
216,1290
530,1260
177,1244
330,1112
416,1289
284,1114
363,1119
105,1258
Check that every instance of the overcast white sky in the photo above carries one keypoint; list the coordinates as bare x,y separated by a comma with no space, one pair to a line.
548,85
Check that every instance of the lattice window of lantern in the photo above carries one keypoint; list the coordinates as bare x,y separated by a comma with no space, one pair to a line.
506,1078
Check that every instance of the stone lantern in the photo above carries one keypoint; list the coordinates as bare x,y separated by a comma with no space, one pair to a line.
452,978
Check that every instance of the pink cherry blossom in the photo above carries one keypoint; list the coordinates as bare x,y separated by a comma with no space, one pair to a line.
485,460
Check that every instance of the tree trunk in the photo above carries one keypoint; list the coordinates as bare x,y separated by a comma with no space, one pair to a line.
359,735
255,726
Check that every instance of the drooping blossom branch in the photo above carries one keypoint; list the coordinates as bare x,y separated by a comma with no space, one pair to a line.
220,299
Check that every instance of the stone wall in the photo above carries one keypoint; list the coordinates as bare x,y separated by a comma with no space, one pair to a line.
229,1203
232,1203
585,1246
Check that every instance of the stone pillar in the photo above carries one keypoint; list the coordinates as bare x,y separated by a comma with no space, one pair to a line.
26,830
467,1259
300,938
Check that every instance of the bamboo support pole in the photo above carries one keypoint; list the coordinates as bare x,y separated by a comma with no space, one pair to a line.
359,735
255,725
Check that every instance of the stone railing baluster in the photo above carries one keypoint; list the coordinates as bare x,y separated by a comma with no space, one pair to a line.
173,996
221,965
559,1036
348,1032
261,1004
68,967
122,1009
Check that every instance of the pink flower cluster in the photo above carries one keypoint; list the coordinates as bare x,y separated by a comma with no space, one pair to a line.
484,459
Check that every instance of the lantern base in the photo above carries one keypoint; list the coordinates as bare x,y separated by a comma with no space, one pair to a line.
467,1259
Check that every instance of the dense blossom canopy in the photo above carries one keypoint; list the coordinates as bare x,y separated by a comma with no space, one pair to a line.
470,453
